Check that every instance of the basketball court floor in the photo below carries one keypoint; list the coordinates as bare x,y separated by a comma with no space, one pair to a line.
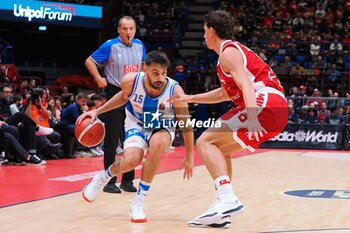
282,190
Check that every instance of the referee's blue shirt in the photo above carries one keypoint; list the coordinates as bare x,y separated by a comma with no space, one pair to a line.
119,58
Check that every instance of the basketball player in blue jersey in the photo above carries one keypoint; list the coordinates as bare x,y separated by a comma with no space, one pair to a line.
149,127
120,56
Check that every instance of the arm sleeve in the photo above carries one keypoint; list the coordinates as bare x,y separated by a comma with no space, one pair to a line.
103,52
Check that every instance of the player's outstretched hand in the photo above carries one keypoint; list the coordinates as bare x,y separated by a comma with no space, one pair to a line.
179,98
92,114
188,165
255,129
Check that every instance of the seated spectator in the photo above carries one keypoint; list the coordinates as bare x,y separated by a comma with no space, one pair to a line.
336,48
322,113
293,117
315,46
333,74
303,113
71,113
16,106
297,70
91,105
311,118
334,118
316,96
10,137
97,99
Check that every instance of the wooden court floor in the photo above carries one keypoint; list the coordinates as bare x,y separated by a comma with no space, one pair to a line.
259,181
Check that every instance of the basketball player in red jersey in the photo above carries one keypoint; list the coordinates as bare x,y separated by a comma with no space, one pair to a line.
261,113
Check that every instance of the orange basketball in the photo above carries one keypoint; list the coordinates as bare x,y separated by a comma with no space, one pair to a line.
90,134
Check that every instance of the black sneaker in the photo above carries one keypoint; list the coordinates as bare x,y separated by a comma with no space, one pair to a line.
35,160
111,188
128,187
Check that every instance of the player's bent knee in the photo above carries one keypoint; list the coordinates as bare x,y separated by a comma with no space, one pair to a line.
202,142
159,145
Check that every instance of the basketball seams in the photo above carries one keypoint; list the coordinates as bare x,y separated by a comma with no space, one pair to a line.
85,130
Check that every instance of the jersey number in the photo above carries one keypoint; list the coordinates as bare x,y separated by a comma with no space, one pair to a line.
138,98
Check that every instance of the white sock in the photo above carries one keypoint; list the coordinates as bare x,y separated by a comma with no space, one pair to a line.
142,190
224,189
108,173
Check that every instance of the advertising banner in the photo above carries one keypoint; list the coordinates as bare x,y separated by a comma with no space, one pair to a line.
308,136
42,12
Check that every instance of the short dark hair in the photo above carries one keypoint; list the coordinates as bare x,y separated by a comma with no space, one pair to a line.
222,22
157,57
96,97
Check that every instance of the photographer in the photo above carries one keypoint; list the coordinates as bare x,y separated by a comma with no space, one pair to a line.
48,146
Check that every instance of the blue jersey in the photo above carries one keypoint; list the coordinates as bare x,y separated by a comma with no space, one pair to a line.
141,108
120,59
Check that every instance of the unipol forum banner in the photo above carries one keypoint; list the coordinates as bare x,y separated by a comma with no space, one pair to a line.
42,12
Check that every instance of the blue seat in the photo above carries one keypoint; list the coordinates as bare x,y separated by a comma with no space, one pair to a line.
347,59
347,65
279,58
300,58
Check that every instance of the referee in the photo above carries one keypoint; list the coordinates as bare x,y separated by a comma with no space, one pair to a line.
120,55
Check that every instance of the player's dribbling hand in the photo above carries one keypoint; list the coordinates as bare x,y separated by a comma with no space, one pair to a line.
179,98
91,114
101,83
188,165
255,129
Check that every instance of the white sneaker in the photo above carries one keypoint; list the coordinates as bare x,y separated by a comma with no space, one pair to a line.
218,215
43,131
91,190
136,213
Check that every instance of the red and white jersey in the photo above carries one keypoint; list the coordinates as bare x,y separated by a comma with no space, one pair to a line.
259,73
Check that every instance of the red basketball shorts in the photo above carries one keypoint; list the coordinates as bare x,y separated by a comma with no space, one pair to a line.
272,115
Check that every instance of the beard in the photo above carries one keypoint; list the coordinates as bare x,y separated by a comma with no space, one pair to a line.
157,85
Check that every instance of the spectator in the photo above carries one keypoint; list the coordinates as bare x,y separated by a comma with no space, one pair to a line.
297,70
316,96
293,117
16,106
71,113
336,48
334,118
311,118
315,46
303,113
333,74
322,113
32,83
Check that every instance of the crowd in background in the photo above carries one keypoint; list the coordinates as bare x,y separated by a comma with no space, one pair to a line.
305,42
58,113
